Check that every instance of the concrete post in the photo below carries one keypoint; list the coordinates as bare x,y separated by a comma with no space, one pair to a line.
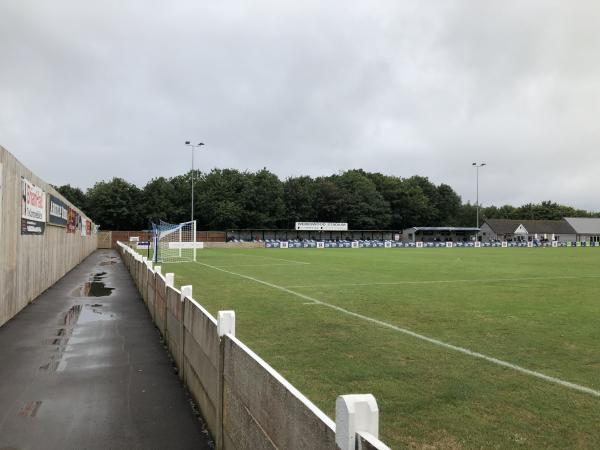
186,291
170,279
354,413
225,325
157,269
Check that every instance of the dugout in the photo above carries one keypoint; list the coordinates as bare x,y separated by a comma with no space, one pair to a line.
251,235
440,234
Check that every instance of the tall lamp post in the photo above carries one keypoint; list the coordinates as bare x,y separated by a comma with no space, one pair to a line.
193,146
477,167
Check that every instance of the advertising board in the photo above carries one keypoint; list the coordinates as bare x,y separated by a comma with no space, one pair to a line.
33,208
58,211
321,226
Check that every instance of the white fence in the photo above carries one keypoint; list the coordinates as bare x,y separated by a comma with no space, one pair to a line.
246,404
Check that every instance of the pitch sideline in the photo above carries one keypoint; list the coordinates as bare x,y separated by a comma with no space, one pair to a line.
465,351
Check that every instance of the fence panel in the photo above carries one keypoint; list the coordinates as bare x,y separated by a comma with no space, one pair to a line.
174,321
201,360
150,292
262,410
160,304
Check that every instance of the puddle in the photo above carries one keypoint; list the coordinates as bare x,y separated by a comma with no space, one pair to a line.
76,315
93,314
109,261
93,288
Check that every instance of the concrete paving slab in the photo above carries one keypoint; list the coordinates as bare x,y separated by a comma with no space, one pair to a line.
87,372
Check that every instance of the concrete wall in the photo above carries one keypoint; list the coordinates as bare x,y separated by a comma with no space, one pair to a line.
30,264
245,403
262,410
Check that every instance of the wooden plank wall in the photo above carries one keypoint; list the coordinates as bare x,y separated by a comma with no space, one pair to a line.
31,264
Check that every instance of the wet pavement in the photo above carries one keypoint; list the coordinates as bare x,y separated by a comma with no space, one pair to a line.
83,367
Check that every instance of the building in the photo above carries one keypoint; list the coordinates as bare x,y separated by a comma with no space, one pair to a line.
527,230
439,234
586,229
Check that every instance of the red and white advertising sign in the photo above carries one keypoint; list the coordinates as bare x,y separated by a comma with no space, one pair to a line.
33,202
33,208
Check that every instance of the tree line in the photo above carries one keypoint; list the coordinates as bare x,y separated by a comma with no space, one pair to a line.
233,199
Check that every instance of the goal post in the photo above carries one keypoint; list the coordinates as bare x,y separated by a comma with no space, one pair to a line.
175,242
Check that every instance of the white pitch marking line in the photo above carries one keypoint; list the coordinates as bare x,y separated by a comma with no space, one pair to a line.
465,351
257,265
472,280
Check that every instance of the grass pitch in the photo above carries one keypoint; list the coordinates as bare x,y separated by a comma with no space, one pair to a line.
338,321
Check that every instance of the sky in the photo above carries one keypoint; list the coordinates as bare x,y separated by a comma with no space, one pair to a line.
95,90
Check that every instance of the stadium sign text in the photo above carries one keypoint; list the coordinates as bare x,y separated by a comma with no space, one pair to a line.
33,208
58,213
321,226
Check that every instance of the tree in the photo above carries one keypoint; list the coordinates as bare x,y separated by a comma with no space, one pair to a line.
329,202
74,195
221,199
228,198
115,205
263,200
447,203
299,196
362,206
159,201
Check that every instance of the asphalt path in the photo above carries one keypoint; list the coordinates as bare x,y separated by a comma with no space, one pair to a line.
83,367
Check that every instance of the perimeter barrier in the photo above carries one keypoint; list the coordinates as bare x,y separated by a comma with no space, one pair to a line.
421,244
42,236
245,403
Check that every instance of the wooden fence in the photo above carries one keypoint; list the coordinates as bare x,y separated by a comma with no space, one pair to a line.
29,263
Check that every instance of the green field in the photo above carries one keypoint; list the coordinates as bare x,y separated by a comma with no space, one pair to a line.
335,321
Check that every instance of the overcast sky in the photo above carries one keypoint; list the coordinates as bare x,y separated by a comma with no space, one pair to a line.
93,90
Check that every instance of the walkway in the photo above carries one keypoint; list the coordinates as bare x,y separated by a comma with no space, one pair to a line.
84,372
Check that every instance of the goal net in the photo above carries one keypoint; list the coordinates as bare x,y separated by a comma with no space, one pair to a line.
174,242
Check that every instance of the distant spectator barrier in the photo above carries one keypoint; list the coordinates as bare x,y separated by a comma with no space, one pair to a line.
42,236
419,244
246,404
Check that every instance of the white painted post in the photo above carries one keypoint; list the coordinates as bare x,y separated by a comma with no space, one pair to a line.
157,269
226,323
353,413
149,263
170,279
186,291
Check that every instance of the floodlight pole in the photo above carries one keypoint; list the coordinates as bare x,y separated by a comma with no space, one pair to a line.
189,144
477,166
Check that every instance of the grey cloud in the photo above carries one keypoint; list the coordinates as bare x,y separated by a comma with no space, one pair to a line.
94,90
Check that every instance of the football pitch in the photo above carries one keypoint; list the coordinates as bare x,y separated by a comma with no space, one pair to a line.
462,348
